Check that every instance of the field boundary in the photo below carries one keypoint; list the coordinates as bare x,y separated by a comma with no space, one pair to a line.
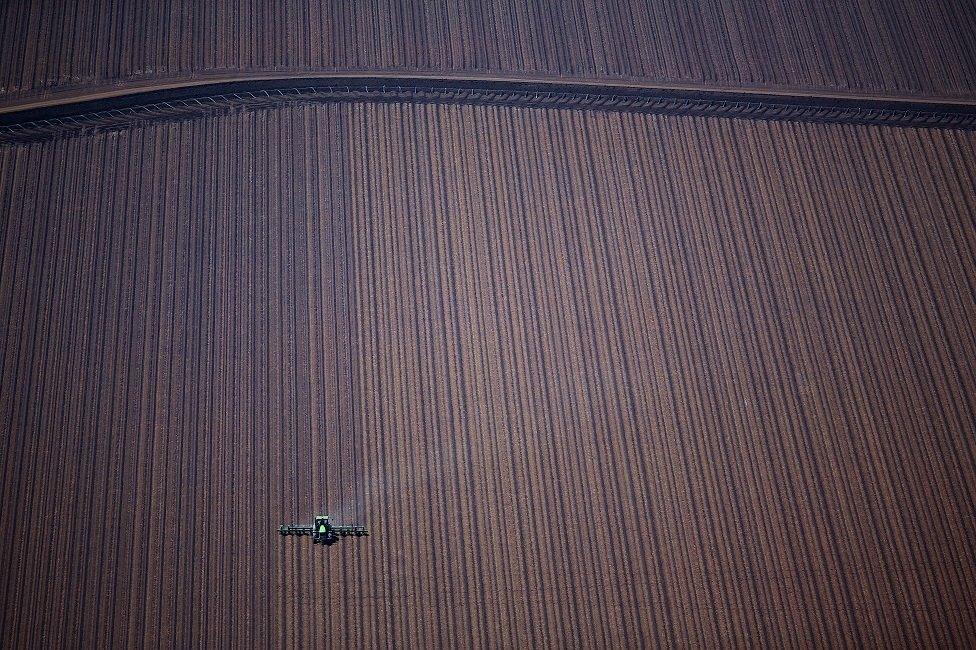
121,110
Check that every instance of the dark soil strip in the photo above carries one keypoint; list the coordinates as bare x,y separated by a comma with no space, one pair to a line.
195,100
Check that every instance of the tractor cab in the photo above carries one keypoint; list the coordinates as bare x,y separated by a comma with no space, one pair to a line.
323,531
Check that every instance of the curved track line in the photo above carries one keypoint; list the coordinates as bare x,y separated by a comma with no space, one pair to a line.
118,108
76,96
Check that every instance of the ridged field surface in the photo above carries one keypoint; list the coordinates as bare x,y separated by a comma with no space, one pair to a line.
591,379
905,47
